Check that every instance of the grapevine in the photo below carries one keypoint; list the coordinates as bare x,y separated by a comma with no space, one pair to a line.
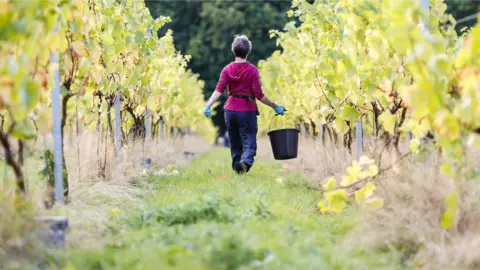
400,69
108,50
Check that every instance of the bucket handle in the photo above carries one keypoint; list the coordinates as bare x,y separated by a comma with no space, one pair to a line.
270,126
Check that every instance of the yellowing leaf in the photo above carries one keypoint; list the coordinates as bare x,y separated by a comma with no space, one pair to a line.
337,200
337,206
97,76
446,168
32,96
330,185
107,40
347,180
70,266
414,145
78,47
354,170
364,193
448,218
44,116
57,43
322,206
116,212
388,121
5,7
364,160
447,125
340,125
279,180
160,21
363,174
373,202
171,167
372,170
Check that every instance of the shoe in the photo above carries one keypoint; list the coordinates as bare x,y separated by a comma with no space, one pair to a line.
241,168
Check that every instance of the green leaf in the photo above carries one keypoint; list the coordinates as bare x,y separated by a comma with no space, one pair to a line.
350,113
107,40
33,93
24,130
340,125
63,91
160,21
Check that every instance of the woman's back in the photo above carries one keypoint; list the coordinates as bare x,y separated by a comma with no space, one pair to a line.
242,79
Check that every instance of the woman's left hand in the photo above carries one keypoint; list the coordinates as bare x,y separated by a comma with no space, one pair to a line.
280,110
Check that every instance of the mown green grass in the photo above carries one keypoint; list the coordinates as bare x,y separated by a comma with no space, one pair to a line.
201,220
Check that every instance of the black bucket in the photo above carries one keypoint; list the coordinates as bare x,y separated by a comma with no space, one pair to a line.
284,143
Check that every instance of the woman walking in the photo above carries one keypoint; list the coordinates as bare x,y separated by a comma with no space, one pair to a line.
244,87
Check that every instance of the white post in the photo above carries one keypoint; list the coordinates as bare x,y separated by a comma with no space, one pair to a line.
425,4
359,138
57,129
118,128
148,128
148,136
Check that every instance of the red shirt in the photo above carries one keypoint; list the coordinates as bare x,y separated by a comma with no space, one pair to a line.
242,79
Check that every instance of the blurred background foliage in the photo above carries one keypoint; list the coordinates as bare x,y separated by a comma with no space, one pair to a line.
205,30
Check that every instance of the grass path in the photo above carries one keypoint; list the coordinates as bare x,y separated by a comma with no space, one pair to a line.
208,218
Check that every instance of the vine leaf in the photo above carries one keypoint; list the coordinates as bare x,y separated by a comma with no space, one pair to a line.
448,218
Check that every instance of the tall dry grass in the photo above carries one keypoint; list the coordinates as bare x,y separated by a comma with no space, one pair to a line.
408,224
19,241
99,185
414,191
410,221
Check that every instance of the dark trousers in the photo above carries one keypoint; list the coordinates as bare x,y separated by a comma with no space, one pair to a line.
242,130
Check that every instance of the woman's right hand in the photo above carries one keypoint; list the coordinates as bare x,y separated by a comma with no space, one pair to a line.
280,110
207,111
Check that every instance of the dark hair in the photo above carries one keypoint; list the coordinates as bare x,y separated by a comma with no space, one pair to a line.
241,46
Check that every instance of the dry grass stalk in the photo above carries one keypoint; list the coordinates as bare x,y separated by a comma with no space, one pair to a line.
414,191
92,195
